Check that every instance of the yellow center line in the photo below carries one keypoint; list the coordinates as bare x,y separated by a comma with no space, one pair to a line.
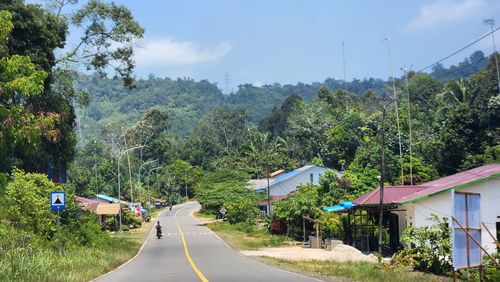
193,266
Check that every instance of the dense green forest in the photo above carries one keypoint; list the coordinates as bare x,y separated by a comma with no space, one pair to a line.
454,125
186,101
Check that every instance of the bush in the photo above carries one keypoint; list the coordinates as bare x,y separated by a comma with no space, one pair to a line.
130,219
432,251
221,187
242,210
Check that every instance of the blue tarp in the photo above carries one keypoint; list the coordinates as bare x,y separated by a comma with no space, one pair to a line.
107,198
334,208
342,206
347,205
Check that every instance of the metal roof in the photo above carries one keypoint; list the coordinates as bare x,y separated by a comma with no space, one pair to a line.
107,198
289,175
391,195
405,194
454,180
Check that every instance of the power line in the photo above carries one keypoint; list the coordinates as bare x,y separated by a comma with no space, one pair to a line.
460,50
451,71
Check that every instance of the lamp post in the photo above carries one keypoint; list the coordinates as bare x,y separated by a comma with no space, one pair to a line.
139,174
154,168
119,183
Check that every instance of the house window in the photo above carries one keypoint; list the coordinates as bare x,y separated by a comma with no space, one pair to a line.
311,176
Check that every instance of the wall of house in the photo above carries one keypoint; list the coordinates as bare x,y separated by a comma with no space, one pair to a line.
289,185
419,212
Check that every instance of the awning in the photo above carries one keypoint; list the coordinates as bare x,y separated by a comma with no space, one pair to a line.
334,208
340,207
347,205
108,209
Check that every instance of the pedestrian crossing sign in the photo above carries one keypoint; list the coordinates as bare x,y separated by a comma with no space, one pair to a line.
57,201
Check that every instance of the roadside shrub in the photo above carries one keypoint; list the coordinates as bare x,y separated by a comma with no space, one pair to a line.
242,210
130,220
432,247
221,187
290,211
277,227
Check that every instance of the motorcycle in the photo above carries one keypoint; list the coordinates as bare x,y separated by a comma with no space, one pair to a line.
158,233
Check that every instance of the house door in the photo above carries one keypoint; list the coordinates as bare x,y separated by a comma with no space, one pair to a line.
394,231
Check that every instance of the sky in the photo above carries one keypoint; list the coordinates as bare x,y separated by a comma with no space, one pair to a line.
290,41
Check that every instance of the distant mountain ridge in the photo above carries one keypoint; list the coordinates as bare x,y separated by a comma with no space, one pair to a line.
187,100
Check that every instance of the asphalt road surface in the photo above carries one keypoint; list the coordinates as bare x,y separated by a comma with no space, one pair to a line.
189,251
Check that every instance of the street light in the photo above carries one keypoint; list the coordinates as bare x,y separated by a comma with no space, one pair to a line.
155,168
139,174
119,183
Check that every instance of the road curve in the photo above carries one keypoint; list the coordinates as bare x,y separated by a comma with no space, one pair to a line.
191,252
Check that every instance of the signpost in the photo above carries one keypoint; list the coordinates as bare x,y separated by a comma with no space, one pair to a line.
223,211
58,203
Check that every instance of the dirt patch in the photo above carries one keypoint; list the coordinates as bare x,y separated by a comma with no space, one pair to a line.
340,253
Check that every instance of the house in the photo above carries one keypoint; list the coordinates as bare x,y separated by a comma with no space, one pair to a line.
282,184
109,200
100,208
413,205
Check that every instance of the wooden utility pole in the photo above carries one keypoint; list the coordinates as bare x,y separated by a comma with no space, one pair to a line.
382,178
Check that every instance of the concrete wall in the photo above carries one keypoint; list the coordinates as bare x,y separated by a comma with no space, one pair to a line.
417,213
289,185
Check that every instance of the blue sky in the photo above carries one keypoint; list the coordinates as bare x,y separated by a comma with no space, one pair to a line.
287,41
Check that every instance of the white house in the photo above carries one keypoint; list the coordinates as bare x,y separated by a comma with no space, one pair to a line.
282,185
413,205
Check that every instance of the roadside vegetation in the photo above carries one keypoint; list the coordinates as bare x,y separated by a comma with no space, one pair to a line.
352,271
242,236
221,143
28,236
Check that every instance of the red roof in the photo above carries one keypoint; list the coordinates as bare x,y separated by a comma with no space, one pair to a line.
391,194
403,194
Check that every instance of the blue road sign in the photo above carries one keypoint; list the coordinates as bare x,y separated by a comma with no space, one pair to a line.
57,201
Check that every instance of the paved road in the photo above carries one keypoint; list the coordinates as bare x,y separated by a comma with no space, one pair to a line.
205,258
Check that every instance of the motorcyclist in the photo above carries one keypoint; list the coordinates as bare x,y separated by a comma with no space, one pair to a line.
158,230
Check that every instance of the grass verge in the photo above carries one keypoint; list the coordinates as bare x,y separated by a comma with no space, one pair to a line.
244,237
204,215
352,271
75,263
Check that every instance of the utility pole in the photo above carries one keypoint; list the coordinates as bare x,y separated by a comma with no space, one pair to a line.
119,182
129,169
95,169
382,179
395,105
491,23
227,85
409,123
343,61
268,196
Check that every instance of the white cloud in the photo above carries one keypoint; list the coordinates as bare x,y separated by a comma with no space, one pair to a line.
258,83
170,52
444,11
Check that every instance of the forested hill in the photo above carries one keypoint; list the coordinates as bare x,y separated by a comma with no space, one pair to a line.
186,100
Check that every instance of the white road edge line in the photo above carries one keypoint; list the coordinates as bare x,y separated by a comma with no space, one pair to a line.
241,254
140,249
